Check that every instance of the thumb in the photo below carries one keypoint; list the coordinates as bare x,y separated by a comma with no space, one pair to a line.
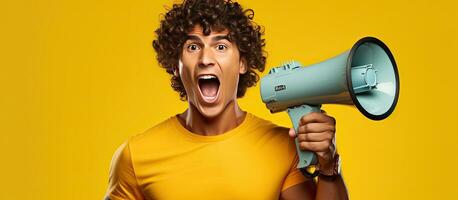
292,133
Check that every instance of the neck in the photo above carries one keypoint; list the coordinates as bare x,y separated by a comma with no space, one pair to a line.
228,119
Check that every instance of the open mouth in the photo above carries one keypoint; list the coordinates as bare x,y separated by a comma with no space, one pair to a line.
209,87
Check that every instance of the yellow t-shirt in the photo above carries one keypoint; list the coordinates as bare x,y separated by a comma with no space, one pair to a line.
255,160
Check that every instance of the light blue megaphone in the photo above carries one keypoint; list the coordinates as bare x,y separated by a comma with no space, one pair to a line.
365,76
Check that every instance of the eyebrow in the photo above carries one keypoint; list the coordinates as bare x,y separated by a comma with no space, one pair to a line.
214,39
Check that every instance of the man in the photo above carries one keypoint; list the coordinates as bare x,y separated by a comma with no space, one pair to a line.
215,150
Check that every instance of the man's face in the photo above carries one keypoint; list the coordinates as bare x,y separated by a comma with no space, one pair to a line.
209,68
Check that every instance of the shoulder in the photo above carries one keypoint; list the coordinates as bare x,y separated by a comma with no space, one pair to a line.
259,121
272,134
153,133
274,140
121,157
123,183
121,169
128,151
267,126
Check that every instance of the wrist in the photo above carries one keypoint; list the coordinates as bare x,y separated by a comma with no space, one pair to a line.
332,168
326,178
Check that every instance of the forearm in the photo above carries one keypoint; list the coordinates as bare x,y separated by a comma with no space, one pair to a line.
331,189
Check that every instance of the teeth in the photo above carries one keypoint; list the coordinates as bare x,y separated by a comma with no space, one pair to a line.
207,77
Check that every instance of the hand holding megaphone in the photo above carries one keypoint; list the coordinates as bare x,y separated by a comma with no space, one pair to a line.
316,133
366,76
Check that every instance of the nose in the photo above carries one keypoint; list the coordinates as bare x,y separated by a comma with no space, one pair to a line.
207,57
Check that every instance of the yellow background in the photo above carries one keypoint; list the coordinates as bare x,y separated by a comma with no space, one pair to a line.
79,77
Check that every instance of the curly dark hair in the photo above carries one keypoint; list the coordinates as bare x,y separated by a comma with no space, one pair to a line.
211,15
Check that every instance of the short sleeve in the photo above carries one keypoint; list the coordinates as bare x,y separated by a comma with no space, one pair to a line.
122,183
294,176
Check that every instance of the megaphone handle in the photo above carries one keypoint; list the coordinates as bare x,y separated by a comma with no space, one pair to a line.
295,113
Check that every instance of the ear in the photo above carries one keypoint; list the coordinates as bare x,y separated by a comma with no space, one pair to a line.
175,71
242,69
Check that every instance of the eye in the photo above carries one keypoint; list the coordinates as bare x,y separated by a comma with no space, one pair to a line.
221,47
192,47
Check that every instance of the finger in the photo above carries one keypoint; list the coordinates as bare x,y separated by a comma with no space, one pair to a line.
316,128
292,133
315,146
316,117
315,137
